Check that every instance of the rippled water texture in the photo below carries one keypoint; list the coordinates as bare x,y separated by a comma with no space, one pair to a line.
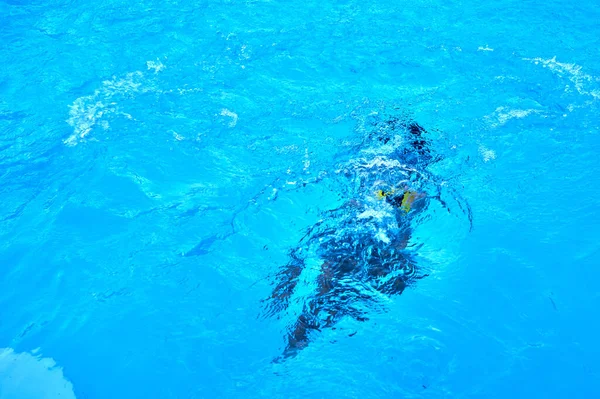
161,162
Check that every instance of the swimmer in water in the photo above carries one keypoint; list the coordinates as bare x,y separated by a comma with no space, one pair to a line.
359,250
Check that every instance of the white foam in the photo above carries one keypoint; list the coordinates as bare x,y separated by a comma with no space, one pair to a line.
377,162
372,213
156,66
487,154
486,48
381,236
286,149
502,115
83,115
29,376
573,72
387,148
306,161
86,111
230,114
273,195
187,91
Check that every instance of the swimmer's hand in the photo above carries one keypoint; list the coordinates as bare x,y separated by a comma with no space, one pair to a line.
407,200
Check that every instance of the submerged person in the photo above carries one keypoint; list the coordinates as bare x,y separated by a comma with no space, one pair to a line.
358,251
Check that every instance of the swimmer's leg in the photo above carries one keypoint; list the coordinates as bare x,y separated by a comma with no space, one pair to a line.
298,336
286,281
407,272
394,268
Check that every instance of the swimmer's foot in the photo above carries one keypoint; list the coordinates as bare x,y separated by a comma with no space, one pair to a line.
297,339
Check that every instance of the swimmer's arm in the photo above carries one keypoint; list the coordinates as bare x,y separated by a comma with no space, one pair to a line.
411,199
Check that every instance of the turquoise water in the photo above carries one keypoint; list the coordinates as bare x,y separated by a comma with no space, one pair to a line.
160,161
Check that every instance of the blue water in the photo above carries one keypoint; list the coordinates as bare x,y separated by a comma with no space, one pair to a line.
159,160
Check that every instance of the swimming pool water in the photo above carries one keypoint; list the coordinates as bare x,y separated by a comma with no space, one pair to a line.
158,161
